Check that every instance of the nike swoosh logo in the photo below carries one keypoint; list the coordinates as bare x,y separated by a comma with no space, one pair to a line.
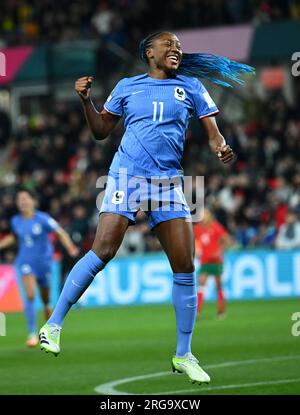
136,92
191,305
74,283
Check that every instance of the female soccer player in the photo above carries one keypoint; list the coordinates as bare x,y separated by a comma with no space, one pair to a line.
156,107
211,239
30,228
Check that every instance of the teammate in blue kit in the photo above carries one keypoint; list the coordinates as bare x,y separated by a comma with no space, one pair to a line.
156,108
31,228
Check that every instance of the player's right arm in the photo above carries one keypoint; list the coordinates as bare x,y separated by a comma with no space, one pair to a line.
100,124
7,241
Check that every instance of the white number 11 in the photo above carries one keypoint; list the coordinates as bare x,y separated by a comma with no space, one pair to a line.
161,110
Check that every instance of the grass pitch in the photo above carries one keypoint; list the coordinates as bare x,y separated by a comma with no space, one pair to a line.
252,351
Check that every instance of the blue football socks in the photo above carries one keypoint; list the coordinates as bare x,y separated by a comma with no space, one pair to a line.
79,279
185,304
30,315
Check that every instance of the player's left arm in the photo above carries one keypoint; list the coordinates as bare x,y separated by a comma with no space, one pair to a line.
227,241
216,140
198,248
66,241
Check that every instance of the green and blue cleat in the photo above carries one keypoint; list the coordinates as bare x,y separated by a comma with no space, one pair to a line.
49,337
189,365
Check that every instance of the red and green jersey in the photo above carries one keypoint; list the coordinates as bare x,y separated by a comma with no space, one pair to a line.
208,242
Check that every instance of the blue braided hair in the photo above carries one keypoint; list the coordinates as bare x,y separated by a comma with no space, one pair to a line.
203,65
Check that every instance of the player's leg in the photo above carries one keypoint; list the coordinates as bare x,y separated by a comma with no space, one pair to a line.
200,294
220,296
43,270
110,233
177,239
45,296
29,283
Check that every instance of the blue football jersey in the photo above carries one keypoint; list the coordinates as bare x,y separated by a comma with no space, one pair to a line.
156,115
33,236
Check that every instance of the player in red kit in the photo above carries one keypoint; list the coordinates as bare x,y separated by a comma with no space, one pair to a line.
211,239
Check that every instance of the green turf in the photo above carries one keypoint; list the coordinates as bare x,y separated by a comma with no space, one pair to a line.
104,345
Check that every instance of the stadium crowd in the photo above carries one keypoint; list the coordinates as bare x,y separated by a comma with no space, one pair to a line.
54,154
127,21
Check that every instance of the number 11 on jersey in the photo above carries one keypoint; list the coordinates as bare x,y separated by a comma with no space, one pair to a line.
161,110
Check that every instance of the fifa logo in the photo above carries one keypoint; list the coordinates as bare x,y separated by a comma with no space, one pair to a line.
2,64
296,326
2,324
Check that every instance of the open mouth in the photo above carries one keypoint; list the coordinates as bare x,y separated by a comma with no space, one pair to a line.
174,59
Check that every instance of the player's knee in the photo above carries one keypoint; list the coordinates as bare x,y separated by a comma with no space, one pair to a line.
45,300
30,297
183,264
106,253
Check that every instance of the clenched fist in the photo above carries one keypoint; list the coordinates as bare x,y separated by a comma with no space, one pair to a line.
225,153
83,86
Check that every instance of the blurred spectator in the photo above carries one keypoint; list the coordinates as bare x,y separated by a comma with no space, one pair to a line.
289,233
103,19
134,241
294,199
4,128
246,234
126,21
266,235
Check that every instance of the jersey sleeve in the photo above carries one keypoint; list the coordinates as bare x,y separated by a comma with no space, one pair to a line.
114,102
49,224
204,106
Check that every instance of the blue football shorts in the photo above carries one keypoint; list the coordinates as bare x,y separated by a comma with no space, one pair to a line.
161,199
41,269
